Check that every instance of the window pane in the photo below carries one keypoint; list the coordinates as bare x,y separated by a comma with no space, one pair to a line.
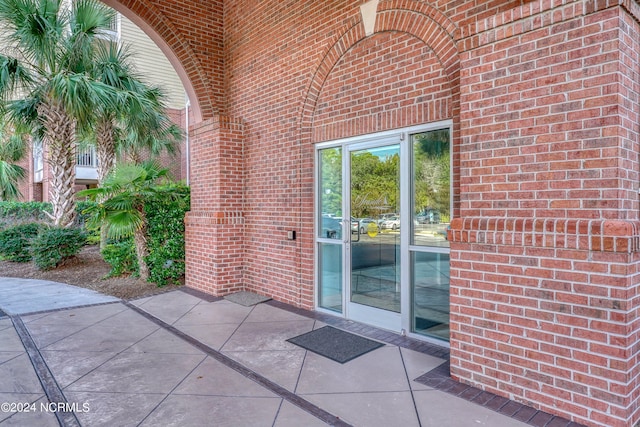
431,188
430,289
330,194
330,276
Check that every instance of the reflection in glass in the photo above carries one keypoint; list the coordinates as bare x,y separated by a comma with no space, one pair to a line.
330,276
431,165
330,192
430,294
375,239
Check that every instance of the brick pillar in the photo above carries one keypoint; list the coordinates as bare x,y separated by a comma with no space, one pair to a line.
544,258
215,224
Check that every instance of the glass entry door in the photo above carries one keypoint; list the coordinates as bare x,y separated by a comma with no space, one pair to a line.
373,248
383,209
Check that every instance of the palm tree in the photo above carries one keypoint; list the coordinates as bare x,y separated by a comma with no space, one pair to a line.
121,205
46,83
140,121
12,150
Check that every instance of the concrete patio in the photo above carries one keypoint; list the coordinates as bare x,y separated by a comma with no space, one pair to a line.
186,359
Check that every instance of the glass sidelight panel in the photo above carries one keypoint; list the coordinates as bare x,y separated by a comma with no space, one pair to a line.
375,227
330,276
330,194
431,188
329,229
430,294
431,211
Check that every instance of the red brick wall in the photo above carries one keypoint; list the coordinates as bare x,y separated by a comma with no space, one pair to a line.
276,74
192,35
214,239
544,258
387,74
543,98
25,185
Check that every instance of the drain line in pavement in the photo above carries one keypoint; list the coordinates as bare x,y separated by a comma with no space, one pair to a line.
285,394
50,386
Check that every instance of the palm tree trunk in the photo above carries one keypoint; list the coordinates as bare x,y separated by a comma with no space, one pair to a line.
59,137
106,151
140,242
105,148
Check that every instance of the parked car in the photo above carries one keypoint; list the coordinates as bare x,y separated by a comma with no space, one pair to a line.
382,218
364,224
331,228
392,223
429,216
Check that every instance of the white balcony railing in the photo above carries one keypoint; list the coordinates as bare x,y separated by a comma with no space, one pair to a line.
86,157
86,163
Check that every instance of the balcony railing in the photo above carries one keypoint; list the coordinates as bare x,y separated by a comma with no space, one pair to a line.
86,163
86,157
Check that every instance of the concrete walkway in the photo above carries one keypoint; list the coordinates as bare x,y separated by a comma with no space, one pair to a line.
19,296
185,359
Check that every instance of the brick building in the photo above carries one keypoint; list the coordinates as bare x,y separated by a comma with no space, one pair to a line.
508,127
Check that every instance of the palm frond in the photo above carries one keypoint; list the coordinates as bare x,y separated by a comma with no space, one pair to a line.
123,223
14,77
10,176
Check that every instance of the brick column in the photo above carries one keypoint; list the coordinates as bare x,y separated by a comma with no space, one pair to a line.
545,256
215,225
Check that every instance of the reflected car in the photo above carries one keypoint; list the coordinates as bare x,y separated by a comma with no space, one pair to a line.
430,216
331,228
364,224
354,225
392,223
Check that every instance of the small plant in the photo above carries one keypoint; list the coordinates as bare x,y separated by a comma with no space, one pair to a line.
121,256
52,246
15,241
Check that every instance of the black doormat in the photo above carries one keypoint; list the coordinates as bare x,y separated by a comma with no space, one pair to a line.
335,344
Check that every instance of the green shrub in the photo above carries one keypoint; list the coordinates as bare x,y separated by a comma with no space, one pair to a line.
54,245
12,213
165,218
15,241
121,256
30,211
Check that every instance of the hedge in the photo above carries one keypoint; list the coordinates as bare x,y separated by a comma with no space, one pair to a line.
15,242
165,238
24,212
165,218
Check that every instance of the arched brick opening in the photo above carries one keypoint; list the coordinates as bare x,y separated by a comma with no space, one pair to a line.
415,19
199,70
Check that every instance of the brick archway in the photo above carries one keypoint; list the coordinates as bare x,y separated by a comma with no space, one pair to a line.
418,19
199,70
421,21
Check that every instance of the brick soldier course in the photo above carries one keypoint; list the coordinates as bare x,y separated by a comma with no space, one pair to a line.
543,96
